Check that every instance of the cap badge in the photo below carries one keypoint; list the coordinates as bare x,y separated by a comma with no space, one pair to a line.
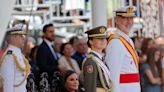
102,30
130,10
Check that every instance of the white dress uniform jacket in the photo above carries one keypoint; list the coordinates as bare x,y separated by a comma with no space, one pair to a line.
120,61
10,72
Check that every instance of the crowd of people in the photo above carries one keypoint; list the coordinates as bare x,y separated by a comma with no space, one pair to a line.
99,63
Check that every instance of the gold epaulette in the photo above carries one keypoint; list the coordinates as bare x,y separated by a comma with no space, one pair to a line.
113,36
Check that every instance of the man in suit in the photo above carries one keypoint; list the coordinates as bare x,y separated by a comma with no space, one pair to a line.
47,60
81,52
121,57
14,67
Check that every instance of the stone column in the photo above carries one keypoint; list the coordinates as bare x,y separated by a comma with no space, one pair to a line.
5,16
99,15
122,3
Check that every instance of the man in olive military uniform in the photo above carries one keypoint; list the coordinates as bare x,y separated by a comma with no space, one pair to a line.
96,74
14,66
121,57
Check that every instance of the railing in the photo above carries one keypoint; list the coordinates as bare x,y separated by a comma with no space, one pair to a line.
43,84
53,11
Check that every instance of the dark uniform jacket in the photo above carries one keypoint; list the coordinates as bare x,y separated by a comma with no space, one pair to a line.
91,74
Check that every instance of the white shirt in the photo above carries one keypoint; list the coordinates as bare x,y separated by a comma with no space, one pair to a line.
98,54
120,61
50,46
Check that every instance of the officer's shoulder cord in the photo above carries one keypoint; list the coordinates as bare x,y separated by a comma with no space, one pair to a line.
102,79
22,70
100,74
26,69
27,66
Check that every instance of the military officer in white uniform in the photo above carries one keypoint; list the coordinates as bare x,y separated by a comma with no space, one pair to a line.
121,58
14,67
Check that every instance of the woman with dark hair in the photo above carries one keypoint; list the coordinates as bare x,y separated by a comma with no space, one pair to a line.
32,60
152,71
66,62
34,67
70,81
96,73
146,44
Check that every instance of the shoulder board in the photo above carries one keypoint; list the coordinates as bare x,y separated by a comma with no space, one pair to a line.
9,52
90,56
113,36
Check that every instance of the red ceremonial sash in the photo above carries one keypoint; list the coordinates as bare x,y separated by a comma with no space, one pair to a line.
128,46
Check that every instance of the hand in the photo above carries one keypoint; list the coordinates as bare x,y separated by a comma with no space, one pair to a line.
143,59
159,81
62,67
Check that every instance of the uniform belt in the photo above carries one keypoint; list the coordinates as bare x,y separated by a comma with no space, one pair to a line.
129,78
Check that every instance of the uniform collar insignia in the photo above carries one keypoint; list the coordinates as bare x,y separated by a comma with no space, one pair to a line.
130,10
9,52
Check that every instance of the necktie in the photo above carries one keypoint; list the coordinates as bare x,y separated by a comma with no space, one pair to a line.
54,53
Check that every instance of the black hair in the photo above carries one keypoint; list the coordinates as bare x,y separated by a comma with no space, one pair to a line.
134,38
62,47
73,39
64,79
33,51
89,38
67,74
46,26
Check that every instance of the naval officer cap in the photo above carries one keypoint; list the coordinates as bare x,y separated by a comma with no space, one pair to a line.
98,32
127,11
16,30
